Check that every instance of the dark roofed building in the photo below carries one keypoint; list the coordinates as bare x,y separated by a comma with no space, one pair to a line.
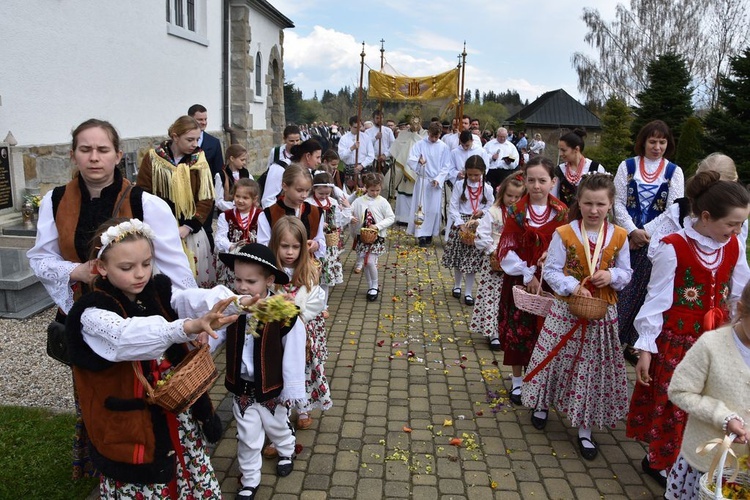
553,114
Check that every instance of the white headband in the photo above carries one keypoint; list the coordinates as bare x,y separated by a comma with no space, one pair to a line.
328,185
116,233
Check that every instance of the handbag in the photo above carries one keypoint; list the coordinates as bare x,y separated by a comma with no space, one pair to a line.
57,343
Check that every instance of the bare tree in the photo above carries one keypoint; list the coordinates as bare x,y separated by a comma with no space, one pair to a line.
703,33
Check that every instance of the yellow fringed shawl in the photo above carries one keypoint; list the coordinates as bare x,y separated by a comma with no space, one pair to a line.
173,183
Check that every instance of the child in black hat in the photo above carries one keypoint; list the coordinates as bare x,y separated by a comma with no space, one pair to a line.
265,368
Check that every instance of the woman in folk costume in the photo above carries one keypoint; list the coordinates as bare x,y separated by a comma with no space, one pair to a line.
68,217
529,227
577,364
698,271
430,159
574,166
177,172
646,185
484,318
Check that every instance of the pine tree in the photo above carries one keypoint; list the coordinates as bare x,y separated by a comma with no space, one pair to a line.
690,146
616,144
668,95
728,125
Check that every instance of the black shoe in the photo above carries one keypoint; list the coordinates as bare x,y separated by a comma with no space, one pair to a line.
495,345
284,467
469,300
457,292
422,242
515,395
429,240
539,423
372,294
587,453
247,493
654,473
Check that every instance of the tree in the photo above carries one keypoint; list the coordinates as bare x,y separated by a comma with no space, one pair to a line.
728,125
667,96
292,102
690,146
703,33
477,99
615,144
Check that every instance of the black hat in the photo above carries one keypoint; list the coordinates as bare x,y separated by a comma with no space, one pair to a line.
256,254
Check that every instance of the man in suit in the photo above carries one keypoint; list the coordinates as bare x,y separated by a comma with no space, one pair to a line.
211,147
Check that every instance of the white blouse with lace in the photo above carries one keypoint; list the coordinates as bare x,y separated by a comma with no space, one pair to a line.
512,264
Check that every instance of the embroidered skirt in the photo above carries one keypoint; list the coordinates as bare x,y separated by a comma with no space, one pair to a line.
457,255
518,330
376,248
683,482
203,261
631,298
652,417
316,383
586,380
484,318
224,275
202,482
331,272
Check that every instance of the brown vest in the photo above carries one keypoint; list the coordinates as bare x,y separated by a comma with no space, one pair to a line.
309,215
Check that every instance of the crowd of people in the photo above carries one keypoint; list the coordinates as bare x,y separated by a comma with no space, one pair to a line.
138,274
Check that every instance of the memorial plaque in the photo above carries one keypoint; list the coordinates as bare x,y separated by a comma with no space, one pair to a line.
6,190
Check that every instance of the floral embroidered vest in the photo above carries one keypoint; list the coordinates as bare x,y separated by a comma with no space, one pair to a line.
697,290
236,232
633,202
568,190
575,260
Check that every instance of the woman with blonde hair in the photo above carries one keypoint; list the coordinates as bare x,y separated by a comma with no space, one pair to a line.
177,172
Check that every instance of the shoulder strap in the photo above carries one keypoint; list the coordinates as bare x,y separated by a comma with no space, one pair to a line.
671,167
277,154
594,166
630,164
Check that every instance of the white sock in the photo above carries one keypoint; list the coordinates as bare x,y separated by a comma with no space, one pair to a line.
517,381
360,262
469,277
372,267
457,275
584,432
540,413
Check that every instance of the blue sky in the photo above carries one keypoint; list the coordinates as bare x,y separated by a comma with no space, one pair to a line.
524,46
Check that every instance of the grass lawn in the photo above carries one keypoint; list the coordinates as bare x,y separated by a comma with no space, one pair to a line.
35,455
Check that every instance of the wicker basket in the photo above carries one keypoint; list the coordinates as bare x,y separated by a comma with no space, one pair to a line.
368,235
190,379
468,232
495,263
587,307
332,239
722,475
538,304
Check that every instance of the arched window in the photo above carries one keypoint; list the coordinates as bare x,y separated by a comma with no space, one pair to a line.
258,75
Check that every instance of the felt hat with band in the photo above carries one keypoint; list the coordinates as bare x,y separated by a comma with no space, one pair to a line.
255,253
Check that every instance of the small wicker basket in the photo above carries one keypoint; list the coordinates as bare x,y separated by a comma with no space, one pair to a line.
538,303
468,232
722,475
495,263
587,307
368,235
332,239
190,379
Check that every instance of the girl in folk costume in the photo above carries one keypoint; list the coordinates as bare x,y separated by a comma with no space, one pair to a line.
373,211
577,364
646,185
574,166
330,164
430,159
471,197
295,184
288,243
177,172
484,318
698,271
335,217
238,225
130,323
710,384
529,227
233,171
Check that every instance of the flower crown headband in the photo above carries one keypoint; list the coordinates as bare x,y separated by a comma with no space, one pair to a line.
586,174
113,234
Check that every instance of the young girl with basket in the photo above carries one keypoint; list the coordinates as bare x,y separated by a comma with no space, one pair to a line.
233,171
129,325
237,226
710,384
528,231
698,271
372,215
577,364
484,318
288,244
335,217
471,197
